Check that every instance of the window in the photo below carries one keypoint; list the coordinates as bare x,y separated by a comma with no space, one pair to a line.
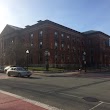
74,49
68,46
56,33
41,33
73,40
62,57
62,44
92,51
31,45
107,43
90,42
62,35
40,45
68,37
32,35
40,57
12,41
82,42
56,36
31,39
68,58
78,51
56,57
56,44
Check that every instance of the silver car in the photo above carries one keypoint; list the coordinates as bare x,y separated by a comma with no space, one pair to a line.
18,71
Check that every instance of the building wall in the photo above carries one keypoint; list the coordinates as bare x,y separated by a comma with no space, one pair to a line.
98,51
66,46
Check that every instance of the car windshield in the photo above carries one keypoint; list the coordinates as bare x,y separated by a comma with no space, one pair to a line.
20,69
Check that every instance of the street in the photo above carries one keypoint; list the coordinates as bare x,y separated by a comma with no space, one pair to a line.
67,93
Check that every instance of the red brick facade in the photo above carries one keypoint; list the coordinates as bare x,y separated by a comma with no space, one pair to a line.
98,49
66,46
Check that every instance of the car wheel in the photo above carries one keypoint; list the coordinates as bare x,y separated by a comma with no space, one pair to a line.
19,75
28,76
8,74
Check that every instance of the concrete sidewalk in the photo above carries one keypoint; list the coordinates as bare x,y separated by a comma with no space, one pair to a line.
9,101
48,74
73,74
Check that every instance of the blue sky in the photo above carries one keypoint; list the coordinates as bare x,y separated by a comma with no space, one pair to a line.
80,15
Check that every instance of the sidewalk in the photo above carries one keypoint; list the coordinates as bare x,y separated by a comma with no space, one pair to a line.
48,74
74,74
9,101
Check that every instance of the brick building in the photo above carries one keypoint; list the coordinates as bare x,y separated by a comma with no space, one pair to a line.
98,48
8,42
66,46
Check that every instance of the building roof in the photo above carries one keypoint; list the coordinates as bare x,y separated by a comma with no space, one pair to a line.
9,29
90,32
14,27
40,22
95,32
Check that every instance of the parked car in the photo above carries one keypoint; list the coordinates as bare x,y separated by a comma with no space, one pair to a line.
7,67
18,71
1,69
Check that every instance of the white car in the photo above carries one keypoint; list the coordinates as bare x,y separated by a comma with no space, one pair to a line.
18,71
6,68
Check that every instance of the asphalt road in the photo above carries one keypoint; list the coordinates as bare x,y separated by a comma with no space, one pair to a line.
67,93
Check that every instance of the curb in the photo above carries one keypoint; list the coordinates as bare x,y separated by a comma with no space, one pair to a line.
56,74
26,100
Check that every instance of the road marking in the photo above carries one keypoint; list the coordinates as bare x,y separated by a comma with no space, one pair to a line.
48,107
97,105
71,95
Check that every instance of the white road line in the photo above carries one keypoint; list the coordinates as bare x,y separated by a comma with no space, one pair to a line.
48,107
71,95
97,105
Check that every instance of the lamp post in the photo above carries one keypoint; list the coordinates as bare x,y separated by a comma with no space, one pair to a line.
27,53
47,54
84,59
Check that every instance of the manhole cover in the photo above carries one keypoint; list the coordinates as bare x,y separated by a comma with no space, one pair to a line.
91,99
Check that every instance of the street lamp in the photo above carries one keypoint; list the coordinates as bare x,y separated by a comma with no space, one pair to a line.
47,54
27,53
84,59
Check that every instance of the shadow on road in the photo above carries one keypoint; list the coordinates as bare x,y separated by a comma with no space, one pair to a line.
77,87
34,78
30,77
